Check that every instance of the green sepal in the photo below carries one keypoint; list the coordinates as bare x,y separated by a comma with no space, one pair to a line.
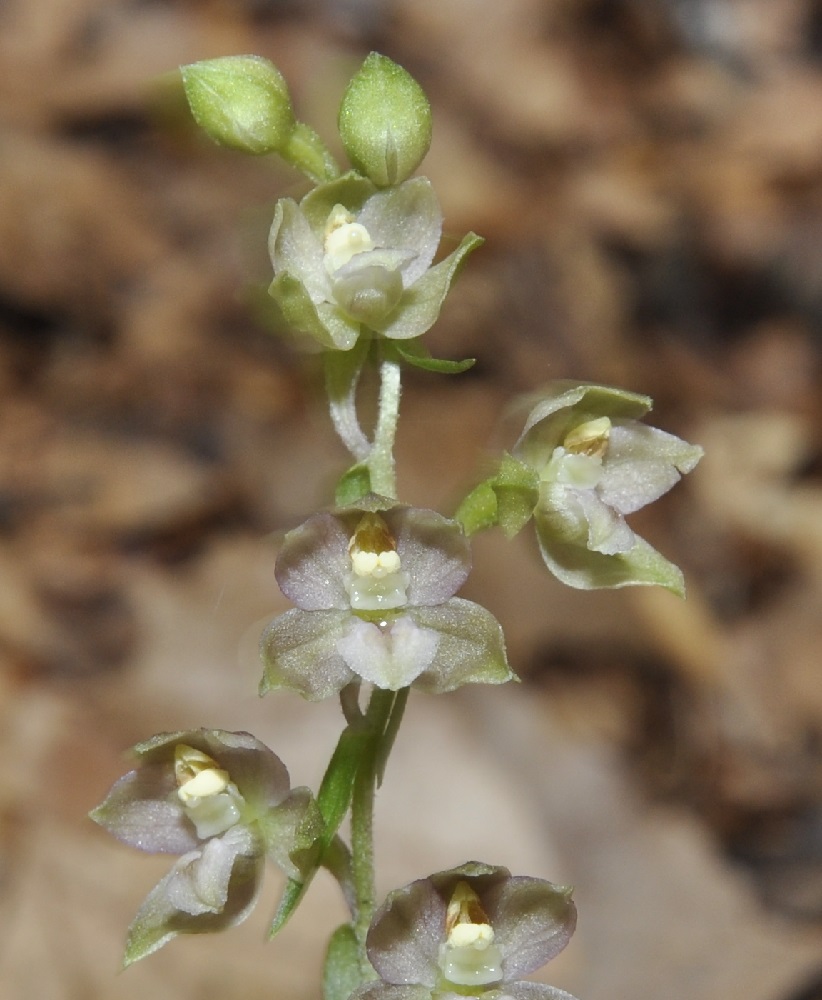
353,485
323,322
241,102
421,304
385,121
575,565
341,972
413,353
478,511
516,487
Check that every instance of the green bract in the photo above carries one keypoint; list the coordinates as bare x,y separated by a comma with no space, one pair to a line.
350,258
597,463
385,121
241,102
222,801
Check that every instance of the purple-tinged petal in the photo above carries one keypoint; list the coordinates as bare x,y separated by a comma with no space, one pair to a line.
313,564
299,651
143,811
405,935
533,921
160,919
471,647
527,991
391,656
385,991
434,553
642,463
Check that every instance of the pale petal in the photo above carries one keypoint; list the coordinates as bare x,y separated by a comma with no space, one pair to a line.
295,250
527,991
392,657
159,920
142,810
385,991
406,217
642,464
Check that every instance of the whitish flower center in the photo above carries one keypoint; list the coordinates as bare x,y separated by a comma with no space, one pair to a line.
210,799
468,955
376,581
344,238
577,462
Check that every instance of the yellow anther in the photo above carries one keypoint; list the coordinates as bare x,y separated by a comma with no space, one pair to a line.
198,775
344,238
464,910
589,438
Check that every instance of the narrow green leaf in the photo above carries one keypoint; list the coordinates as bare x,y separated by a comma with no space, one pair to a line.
289,901
341,973
413,353
334,796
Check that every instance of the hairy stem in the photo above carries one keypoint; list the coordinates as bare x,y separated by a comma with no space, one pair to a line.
362,820
381,459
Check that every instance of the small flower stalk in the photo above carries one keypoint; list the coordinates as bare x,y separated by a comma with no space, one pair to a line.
222,802
472,931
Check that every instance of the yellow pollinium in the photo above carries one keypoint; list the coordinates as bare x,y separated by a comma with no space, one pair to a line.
590,438
198,775
343,239
377,582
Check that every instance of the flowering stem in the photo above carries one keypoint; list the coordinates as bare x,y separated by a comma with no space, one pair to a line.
377,717
381,459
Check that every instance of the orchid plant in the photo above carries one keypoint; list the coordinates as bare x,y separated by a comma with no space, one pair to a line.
374,581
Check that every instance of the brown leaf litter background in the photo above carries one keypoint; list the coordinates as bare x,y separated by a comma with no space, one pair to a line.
648,175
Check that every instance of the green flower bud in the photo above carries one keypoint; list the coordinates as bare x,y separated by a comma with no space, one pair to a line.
242,102
385,121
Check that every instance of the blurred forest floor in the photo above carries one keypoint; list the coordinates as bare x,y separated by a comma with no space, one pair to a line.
648,176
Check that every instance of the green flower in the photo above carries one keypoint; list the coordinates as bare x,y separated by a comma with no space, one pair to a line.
595,464
222,801
350,258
